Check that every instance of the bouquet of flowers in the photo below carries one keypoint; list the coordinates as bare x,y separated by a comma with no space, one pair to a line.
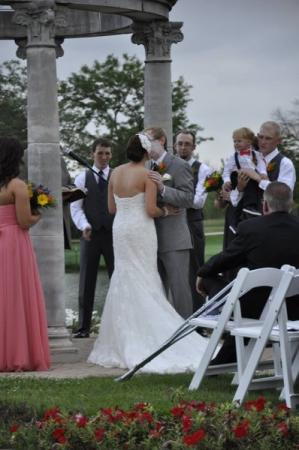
213,182
40,197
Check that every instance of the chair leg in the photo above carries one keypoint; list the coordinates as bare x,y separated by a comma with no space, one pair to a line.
204,363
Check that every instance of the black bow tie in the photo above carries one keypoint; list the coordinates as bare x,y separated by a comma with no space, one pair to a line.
154,166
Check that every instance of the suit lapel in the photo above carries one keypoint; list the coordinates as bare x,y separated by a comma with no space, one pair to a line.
168,160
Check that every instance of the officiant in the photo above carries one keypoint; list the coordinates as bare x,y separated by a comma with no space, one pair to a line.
91,216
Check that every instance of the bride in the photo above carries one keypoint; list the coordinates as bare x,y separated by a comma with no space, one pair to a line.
137,317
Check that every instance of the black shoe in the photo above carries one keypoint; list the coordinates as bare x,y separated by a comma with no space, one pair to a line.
81,334
224,358
204,332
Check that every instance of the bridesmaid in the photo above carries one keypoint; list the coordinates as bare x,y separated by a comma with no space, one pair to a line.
23,325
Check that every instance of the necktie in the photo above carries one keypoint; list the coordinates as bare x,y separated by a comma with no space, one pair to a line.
101,178
154,166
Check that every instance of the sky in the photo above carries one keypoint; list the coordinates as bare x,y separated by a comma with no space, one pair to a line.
241,58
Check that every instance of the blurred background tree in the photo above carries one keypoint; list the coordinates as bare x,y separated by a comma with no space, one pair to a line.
102,99
13,98
289,123
107,98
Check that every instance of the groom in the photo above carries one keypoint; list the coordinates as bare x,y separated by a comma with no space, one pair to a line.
174,240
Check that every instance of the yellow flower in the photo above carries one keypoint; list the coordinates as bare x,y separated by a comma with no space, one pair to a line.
42,199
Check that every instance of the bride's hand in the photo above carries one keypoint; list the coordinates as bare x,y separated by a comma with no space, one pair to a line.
172,210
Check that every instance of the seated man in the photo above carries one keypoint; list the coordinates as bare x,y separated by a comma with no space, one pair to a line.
267,241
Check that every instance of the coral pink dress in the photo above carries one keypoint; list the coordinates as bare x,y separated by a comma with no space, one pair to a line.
23,324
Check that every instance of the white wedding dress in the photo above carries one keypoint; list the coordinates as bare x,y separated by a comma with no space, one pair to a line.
137,317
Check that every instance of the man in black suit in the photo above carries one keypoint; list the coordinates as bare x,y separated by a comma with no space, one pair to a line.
91,216
267,241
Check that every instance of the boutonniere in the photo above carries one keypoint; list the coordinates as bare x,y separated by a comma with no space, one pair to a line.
271,166
213,182
161,168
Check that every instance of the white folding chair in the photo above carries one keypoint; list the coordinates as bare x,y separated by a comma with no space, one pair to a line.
284,337
230,316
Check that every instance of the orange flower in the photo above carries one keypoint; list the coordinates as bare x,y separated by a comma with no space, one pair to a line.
161,168
271,166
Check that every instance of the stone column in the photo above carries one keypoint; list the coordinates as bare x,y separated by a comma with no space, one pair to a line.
40,49
157,38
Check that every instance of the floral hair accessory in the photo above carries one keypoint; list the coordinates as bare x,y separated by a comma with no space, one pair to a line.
145,141
213,182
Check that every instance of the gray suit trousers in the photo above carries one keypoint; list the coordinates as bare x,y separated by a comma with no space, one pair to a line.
174,271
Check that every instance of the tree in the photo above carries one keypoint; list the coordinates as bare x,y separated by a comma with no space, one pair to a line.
107,98
289,123
104,98
13,88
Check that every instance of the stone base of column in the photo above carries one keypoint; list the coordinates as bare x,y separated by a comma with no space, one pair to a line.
61,346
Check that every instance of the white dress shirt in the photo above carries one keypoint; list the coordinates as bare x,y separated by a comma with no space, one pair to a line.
158,162
200,192
287,175
77,211
245,163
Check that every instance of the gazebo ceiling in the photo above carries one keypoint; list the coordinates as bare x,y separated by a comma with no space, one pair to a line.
86,18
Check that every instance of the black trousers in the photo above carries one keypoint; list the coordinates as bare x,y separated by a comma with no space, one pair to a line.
197,255
91,251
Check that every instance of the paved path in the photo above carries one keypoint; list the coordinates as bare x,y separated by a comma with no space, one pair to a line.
79,369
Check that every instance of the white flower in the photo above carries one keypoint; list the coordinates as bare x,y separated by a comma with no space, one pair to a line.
166,177
71,316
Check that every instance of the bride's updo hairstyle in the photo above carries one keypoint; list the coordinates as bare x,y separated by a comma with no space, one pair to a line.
11,153
136,148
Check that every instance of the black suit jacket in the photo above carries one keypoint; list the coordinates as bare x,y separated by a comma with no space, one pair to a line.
267,241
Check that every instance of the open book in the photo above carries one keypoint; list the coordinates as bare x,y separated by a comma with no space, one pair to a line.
71,193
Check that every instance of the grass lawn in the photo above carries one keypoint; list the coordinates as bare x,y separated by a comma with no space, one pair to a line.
88,395
213,245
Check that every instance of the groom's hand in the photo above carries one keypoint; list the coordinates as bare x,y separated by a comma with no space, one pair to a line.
157,179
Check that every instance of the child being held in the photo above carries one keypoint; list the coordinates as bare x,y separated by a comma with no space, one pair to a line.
248,202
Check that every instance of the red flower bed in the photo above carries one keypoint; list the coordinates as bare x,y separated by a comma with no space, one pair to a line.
197,425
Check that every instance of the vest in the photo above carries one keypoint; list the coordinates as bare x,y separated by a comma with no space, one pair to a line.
195,214
274,172
95,204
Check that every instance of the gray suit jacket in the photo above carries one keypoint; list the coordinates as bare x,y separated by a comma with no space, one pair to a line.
173,231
